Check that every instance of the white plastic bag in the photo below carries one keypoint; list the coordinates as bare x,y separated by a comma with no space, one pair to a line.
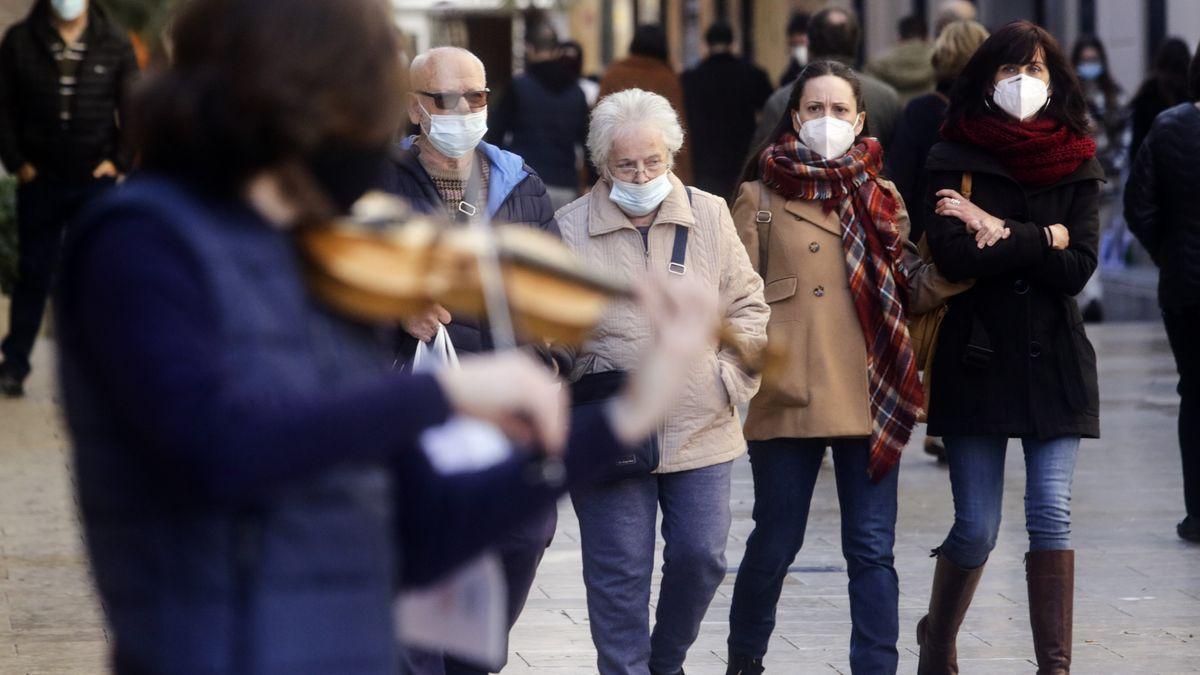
466,613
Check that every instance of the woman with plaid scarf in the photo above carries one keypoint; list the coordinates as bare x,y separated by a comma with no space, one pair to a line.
828,236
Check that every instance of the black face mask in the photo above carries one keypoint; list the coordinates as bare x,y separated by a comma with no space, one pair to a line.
347,173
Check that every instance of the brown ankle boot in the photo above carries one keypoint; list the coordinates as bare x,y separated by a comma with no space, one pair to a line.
1050,576
937,632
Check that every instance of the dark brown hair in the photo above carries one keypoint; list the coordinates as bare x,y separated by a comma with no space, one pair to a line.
812,70
264,84
1017,43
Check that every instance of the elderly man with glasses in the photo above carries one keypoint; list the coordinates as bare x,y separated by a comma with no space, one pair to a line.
448,99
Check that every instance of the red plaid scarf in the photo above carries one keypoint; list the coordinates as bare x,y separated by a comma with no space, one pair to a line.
874,265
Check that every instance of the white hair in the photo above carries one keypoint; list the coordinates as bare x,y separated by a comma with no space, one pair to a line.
618,114
428,59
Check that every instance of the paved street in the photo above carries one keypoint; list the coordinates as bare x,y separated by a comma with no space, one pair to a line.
1137,603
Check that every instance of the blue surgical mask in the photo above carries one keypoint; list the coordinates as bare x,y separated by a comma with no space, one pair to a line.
639,200
69,10
1090,70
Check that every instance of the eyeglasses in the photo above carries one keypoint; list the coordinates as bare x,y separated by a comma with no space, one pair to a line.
629,169
448,100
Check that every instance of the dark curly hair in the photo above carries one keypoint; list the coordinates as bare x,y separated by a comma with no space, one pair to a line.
265,84
1017,43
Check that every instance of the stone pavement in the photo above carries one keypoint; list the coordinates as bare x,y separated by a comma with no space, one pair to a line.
1137,602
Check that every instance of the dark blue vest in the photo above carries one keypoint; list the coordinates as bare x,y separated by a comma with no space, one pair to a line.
296,581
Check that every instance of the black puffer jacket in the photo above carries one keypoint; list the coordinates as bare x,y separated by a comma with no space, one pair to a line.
1162,203
1012,357
30,128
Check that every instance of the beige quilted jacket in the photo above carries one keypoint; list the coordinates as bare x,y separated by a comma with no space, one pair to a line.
703,427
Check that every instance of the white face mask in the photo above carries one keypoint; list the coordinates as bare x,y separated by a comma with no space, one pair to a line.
639,200
1021,96
827,136
69,10
455,135
800,53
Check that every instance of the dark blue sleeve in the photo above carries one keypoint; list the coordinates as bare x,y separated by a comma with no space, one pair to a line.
136,313
447,520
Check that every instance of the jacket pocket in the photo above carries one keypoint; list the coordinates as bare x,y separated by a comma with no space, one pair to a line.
780,289
792,389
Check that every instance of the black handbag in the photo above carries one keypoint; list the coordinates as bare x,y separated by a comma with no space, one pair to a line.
597,389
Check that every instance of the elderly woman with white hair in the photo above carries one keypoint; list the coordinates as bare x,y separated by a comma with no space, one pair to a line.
640,220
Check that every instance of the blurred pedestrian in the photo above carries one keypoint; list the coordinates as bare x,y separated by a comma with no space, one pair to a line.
919,127
797,35
640,217
918,131
906,66
723,95
1012,202
648,67
1110,122
64,74
1106,105
1166,86
572,55
249,482
834,34
828,236
448,99
542,116
1162,207
953,10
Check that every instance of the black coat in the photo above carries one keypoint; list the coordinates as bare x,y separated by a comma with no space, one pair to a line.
723,96
1162,203
916,133
1012,357
543,117
30,128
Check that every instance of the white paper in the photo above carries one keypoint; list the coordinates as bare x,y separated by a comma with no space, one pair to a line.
465,615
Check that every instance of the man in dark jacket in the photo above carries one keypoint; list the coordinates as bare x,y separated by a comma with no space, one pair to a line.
543,117
432,171
1162,207
723,95
64,71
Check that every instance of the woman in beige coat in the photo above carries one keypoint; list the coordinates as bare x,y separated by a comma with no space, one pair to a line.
828,235
631,223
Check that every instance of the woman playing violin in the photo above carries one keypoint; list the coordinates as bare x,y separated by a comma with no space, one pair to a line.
247,470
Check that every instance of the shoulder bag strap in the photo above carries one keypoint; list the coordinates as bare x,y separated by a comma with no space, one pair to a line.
679,249
762,219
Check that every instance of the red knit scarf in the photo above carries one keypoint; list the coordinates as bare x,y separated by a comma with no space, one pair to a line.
1039,152
874,265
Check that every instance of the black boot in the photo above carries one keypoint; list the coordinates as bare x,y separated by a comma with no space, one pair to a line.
740,664
10,385
1188,529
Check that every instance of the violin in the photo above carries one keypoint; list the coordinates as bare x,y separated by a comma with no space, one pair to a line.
382,264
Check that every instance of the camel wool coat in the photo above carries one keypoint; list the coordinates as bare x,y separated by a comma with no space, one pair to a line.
799,254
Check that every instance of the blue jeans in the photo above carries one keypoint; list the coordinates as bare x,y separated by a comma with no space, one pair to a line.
785,472
616,525
977,481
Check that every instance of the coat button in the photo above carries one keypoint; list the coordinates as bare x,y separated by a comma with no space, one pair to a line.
819,291
1035,349
814,247
1020,287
